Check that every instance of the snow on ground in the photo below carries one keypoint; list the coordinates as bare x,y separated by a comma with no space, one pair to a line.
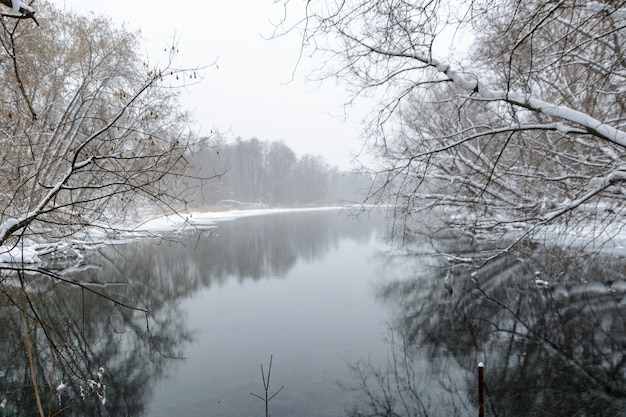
588,236
29,253
204,219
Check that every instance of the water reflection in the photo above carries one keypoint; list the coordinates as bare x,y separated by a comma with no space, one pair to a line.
61,335
266,246
60,332
549,325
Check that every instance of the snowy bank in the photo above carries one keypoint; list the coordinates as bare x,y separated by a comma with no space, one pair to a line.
202,220
31,253
18,254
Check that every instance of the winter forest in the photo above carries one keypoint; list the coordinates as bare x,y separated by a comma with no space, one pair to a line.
522,132
494,141
96,134
252,172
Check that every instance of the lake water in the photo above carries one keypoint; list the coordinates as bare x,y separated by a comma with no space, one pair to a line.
352,329
300,287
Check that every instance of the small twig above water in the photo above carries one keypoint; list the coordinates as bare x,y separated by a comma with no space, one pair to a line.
266,388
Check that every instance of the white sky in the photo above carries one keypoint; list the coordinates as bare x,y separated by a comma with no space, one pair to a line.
251,94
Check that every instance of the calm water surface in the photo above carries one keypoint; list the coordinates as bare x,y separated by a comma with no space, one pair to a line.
300,287
352,330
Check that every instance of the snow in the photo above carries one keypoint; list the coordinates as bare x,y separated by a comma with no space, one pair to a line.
16,5
469,82
619,286
195,219
609,152
30,253
599,7
8,224
27,255
560,127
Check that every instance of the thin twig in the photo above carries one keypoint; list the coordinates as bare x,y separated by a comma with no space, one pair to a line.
266,388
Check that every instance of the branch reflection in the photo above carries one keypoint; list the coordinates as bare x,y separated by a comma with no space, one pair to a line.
549,324
119,309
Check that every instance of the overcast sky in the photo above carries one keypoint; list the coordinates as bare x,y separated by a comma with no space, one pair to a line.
252,93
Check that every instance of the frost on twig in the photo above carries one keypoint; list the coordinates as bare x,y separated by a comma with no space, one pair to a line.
95,386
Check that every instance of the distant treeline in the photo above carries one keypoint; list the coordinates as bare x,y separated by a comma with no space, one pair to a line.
262,172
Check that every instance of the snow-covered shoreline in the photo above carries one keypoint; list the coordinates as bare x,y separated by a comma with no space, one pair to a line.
582,236
210,218
30,252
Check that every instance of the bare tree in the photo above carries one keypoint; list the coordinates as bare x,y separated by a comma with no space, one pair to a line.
90,135
89,132
525,130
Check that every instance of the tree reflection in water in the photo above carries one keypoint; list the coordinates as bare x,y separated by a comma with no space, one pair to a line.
73,330
549,326
61,334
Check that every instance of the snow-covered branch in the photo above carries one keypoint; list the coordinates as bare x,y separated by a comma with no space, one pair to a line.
602,184
473,85
19,8
524,128
105,135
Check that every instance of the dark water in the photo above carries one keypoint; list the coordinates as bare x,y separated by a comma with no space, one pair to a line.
352,330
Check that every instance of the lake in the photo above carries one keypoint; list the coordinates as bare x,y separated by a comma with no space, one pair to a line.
298,286
353,328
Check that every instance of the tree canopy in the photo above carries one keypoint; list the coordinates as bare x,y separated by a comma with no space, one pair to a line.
492,115
89,130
